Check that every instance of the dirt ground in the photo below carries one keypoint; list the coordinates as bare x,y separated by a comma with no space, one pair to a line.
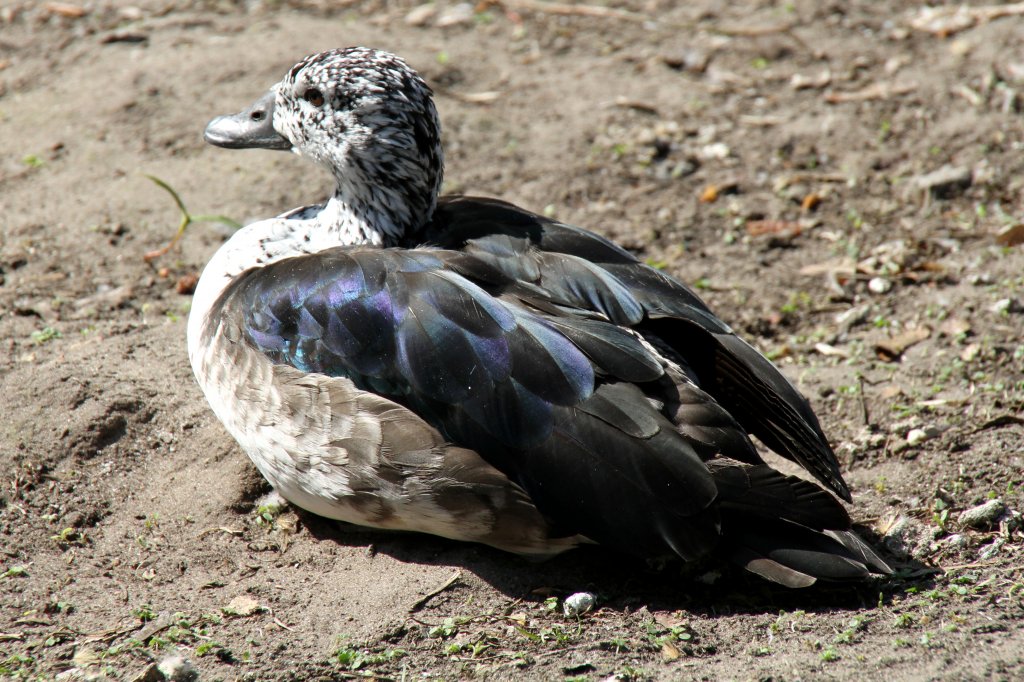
840,183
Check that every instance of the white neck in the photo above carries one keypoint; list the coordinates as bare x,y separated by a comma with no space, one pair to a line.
295,233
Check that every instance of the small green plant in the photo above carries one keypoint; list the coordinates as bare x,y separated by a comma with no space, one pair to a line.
145,613
186,219
208,648
829,655
45,334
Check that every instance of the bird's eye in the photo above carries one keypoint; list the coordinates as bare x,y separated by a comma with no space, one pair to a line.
314,97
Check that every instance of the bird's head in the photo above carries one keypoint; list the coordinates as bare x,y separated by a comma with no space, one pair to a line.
363,114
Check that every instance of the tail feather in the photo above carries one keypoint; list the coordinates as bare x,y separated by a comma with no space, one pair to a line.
788,530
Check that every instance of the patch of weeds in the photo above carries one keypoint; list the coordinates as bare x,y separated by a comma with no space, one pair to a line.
884,130
551,604
616,644
16,572
849,635
145,613
266,514
207,648
16,665
797,300
829,655
940,513
904,621
70,536
448,628
352,658
41,336
631,673
32,161
655,263
762,651
126,646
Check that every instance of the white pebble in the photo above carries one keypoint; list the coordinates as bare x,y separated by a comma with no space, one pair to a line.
879,285
917,436
984,515
578,604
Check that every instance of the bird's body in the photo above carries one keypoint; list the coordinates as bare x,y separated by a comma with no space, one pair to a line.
466,368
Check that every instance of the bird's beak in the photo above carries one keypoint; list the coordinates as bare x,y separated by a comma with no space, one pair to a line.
251,128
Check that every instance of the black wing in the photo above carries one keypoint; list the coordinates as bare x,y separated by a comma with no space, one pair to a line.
571,268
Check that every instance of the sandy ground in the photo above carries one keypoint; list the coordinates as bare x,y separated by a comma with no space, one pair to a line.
778,156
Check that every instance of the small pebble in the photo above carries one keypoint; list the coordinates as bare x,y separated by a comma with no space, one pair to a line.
1006,305
989,551
578,604
984,515
461,13
905,537
917,436
879,285
956,541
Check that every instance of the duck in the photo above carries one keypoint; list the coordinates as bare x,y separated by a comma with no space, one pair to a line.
462,367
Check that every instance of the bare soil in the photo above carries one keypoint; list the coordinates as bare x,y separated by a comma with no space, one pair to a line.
777,155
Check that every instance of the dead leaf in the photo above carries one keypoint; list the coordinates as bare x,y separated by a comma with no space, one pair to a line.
890,392
487,97
186,284
954,326
892,349
64,9
671,619
1012,236
242,605
784,229
710,194
636,105
811,202
970,352
839,266
669,651
950,19
826,349
871,92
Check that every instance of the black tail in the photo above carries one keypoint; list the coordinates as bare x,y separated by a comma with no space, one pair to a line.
788,530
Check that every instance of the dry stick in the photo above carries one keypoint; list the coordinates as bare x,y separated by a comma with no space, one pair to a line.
863,402
419,603
565,9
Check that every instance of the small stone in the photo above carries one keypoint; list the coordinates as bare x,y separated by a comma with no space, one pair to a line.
242,605
989,551
419,16
716,150
981,279
1005,306
956,541
461,13
984,515
917,436
879,285
905,537
579,603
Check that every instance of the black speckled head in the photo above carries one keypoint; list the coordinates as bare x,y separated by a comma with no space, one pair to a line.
370,119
